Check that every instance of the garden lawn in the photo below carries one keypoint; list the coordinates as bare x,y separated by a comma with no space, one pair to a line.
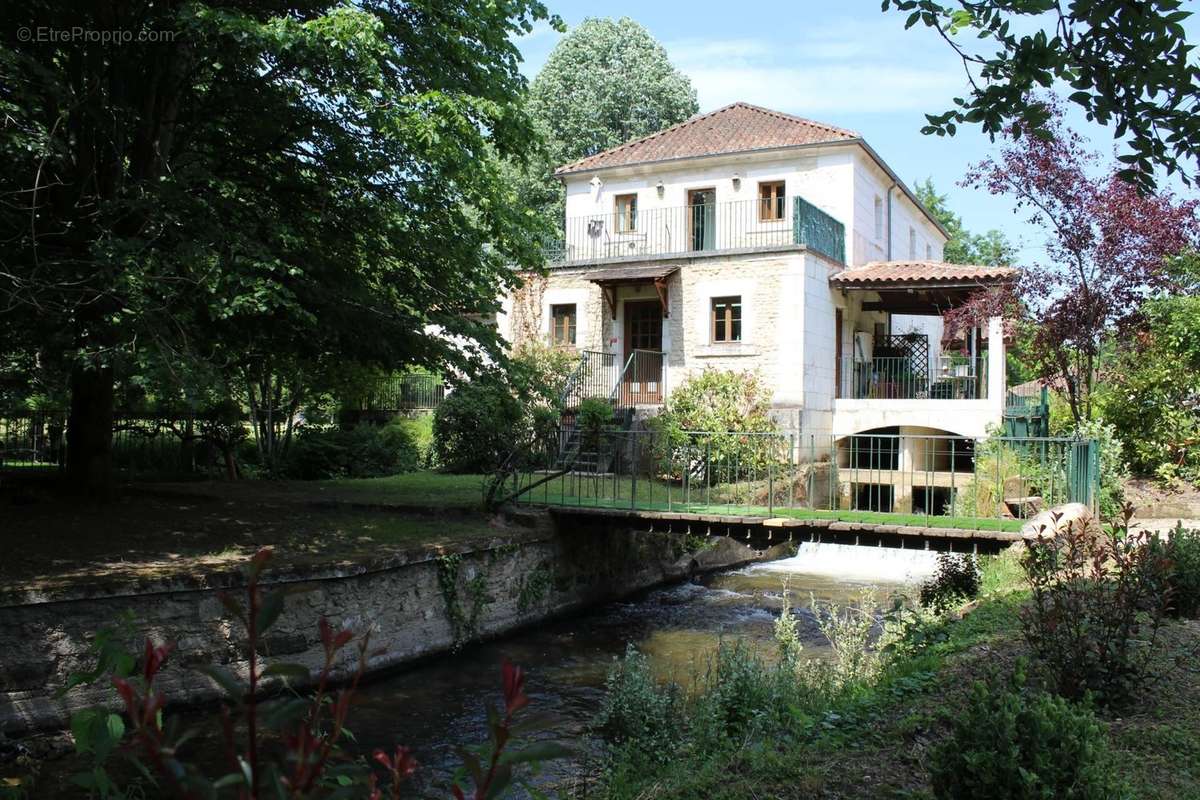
658,495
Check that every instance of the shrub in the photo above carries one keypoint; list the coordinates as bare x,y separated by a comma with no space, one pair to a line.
539,372
594,417
477,426
727,405
956,580
1011,743
638,712
365,451
1098,602
1182,553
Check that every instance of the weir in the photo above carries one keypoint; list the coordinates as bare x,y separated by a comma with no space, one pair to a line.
761,533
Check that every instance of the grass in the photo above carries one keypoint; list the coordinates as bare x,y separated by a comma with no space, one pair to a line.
421,489
874,742
659,495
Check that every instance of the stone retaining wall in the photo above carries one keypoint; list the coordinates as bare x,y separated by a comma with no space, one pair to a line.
531,570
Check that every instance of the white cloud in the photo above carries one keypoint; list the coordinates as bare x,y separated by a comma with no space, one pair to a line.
849,65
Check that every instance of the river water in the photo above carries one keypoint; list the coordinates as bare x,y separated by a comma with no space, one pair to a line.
436,705
432,707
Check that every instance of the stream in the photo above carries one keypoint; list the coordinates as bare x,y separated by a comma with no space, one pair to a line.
433,706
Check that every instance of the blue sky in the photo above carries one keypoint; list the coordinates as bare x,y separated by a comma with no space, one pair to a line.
845,63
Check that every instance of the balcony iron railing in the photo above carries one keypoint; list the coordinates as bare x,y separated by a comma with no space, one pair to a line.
895,378
706,227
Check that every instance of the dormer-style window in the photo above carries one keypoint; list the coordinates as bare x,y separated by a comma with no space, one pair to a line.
626,209
771,201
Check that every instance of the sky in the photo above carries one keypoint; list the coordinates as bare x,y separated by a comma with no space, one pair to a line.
845,63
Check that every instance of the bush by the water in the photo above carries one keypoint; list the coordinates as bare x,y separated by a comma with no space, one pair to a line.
1181,549
477,426
1014,743
364,451
956,580
1098,602
639,712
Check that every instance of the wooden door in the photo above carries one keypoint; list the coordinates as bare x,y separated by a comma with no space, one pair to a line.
642,383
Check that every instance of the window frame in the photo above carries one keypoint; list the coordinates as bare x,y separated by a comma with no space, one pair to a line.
775,201
626,219
571,328
726,325
878,218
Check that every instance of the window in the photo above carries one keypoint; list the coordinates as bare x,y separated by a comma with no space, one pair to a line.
928,252
878,218
771,201
912,244
562,325
727,319
626,212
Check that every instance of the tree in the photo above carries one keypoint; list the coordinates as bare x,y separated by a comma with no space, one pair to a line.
988,249
268,189
1128,64
1152,391
605,83
1110,248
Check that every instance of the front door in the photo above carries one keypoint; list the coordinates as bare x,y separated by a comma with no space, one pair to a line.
642,383
702,216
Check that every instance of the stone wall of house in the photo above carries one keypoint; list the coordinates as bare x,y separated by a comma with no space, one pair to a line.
533,570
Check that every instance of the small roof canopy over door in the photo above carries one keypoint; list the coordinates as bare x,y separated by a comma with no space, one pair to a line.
609,279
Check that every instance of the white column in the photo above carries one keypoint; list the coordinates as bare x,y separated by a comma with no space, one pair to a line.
997,381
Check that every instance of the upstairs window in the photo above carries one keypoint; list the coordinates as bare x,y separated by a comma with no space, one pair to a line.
727,319
626,207
912,244
928,252
771,201
878,218
562,325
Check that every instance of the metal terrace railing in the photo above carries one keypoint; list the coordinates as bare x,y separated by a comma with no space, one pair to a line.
410,392
934,481
900,378
700,227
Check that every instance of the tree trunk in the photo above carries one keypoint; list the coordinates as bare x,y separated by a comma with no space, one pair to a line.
89,432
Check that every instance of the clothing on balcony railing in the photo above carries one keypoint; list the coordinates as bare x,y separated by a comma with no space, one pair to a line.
698,227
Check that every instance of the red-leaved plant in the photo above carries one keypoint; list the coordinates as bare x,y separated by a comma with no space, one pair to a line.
305,758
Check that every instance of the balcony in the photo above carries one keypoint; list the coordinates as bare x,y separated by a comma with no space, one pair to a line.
738,226
905,378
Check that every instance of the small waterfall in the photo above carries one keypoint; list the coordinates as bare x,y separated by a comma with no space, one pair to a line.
856,562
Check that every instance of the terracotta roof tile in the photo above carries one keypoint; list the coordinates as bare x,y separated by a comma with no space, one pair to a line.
900,273
736,128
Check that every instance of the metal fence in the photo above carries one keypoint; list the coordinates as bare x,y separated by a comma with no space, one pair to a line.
412,392
699,227
639,380
901,378
143,444
941,481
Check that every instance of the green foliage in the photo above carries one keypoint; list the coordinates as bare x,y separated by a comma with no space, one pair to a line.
963,247
1000,465
1014,743
605,83
365,451
464,621
594,417
1181,549
638,713
1152,391
477,426
1133,71
535,587
538,373
956,580
724,404
299,188
1098,603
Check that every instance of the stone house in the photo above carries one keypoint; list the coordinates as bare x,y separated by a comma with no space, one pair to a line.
748,239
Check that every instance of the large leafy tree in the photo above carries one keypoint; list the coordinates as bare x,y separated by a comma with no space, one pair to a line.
270,188
964,247
606,82
1109,247
1127,64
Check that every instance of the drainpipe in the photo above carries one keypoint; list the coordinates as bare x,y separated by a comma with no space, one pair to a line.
889,221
